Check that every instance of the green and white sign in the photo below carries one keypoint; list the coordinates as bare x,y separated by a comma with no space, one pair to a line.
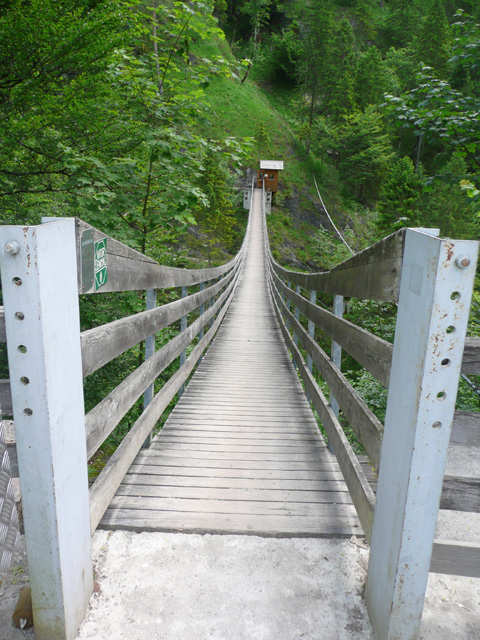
101,272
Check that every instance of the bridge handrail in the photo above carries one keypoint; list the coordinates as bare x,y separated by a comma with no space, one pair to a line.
373,273
105,342
52,264
428,279
130,270
372,352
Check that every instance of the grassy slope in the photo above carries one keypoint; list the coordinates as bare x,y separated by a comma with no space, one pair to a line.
250,111
301,235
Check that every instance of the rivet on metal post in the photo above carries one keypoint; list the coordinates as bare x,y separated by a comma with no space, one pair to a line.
462,262
11,247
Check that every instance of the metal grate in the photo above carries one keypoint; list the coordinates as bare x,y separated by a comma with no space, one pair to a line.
9,526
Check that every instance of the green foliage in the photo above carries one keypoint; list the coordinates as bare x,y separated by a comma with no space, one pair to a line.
445,116
400,22
433,44
339,80
374,394
364,153
373,78
447,206
399,201
217,218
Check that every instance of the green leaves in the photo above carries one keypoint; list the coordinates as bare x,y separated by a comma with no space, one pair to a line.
445,114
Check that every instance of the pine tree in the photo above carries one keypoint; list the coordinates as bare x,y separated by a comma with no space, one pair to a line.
433,44
399,198
373,78
339,82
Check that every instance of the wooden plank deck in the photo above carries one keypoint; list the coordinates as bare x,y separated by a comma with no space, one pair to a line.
241,452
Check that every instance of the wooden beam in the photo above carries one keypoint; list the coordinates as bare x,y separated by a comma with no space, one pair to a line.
374,273
105,416
3,335
367,427
358,486
372,352
466,429
471,356
456,558
6,408
103,343
460,494
131,270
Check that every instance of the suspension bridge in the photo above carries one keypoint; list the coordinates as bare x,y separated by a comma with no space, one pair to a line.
241,452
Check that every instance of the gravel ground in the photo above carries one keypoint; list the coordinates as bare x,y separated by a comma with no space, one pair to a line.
156,586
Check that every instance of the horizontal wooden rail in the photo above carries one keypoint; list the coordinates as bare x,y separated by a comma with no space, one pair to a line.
128,269
5,398
104,343
460,494
367,427
107,483
357,483
3,333
466,429
471,356
372,352
103,418
373,273
456,558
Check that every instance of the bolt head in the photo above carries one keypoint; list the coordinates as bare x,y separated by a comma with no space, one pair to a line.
12,247
462,262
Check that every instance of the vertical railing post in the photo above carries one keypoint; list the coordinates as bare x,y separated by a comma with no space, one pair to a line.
311,329
40,291
435,291
338,310
183,326
298,289
150,303
201,310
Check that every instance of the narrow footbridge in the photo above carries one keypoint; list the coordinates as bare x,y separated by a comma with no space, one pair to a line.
241,451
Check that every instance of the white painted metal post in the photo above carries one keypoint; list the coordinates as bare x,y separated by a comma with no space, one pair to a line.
311,329
338,310
151,303
39,283
435,292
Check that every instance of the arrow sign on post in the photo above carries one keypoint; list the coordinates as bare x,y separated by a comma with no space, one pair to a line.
101,272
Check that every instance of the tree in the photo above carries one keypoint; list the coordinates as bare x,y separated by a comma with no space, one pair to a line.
364,153
440,115
433,45
339,75
99,112
400,196
313,23
373,78
258,12
217,217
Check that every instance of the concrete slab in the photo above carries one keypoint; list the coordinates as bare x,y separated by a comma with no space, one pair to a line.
189,587
158,586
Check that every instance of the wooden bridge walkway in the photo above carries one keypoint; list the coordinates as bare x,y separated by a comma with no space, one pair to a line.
241,452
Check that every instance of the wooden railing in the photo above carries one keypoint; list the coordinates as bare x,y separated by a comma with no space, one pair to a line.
43,270
431,280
